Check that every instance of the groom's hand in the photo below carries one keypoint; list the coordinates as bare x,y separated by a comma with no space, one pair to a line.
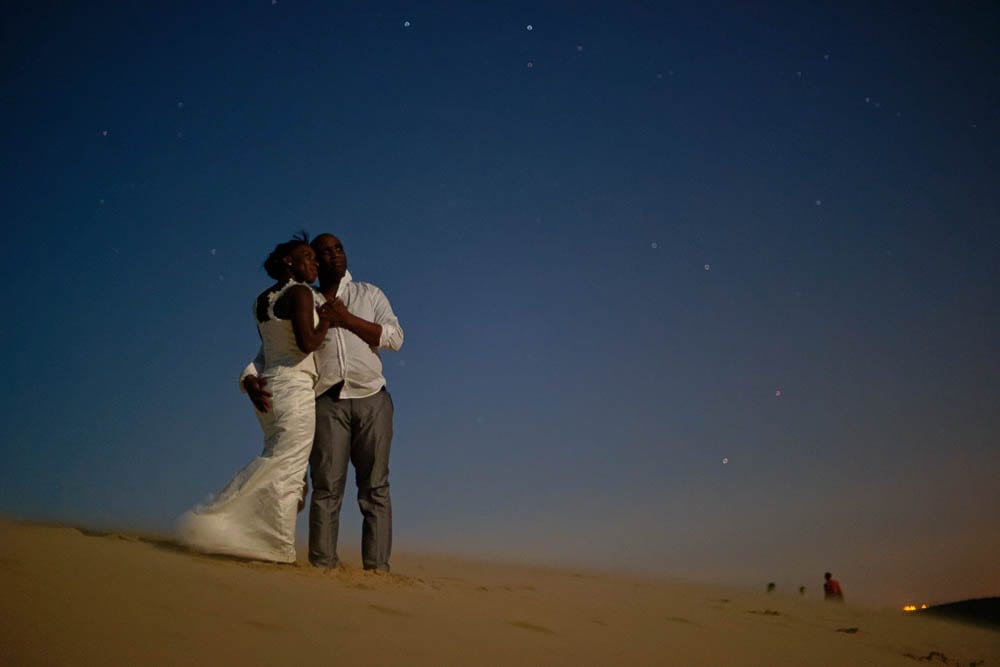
260,396
337,313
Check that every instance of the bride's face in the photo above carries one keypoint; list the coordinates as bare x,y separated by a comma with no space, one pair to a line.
302,262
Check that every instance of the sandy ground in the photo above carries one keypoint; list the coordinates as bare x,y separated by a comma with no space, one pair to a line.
77,597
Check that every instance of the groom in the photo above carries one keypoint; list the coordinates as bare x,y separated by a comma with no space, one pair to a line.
353,411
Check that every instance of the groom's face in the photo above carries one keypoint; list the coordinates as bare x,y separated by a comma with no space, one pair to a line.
330,255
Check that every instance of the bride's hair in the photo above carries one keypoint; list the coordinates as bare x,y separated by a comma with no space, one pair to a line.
274,264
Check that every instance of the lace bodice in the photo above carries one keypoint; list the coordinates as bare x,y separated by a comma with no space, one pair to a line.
278,337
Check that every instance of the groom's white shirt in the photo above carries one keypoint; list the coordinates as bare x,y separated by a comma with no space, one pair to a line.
343,355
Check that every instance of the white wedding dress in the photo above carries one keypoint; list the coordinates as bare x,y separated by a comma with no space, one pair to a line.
254,515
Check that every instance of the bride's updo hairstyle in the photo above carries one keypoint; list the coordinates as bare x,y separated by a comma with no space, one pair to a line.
275,265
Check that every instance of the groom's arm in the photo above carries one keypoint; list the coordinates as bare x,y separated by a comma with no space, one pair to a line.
384,333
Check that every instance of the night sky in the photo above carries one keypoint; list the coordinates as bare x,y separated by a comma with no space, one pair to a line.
699,290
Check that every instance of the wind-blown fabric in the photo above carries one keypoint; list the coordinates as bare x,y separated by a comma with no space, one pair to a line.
253,516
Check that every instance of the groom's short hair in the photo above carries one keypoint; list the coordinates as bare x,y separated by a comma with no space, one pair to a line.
318,237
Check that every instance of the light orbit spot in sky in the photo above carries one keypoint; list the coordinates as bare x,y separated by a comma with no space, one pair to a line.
777,392
725,460
530,64
819,202
579,48
708,267
406,24
529,27
654,245
212,252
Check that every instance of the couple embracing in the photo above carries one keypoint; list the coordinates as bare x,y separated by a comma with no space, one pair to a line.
320,396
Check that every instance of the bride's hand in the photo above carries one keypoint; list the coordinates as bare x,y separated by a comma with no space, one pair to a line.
338,313
325,312
334,312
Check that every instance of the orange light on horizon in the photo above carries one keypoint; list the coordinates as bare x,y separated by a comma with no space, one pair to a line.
913,607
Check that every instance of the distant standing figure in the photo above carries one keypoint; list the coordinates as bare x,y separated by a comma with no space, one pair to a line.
831,588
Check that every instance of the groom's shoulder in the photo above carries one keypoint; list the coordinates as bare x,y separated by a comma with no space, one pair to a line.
367,288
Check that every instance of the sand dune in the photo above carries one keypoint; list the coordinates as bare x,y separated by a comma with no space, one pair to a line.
77,597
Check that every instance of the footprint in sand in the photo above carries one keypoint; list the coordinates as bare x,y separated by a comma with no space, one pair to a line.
10,564
388,611
524,625
269,627
678,619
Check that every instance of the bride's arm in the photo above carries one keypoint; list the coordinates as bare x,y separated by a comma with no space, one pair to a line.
307,335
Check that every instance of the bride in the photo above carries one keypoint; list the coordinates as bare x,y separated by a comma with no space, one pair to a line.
253,516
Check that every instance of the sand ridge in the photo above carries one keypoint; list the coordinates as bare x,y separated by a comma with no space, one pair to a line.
76,596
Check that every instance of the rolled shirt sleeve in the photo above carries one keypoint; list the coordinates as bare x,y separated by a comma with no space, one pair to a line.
392,332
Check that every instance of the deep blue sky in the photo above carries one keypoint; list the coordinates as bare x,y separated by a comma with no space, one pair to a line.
611,239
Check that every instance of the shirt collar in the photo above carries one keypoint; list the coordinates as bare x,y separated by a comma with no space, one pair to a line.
343,282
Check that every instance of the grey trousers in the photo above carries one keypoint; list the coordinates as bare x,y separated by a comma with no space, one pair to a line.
359,431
